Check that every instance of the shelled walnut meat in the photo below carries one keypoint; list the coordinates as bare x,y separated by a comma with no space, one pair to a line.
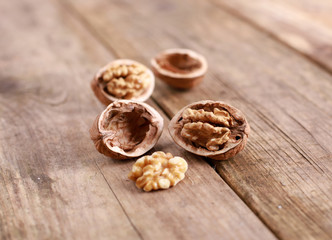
126,129
212,129
123,79
180,68
158,171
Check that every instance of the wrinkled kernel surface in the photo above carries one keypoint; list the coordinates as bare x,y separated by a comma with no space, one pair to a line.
201,128
126,81
158,171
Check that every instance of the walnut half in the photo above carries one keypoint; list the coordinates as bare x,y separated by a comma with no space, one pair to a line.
123,79
126,129
212,129
180,68
158,171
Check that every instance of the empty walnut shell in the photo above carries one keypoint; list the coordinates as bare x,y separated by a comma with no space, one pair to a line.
123,79
179,68
126,129
211,129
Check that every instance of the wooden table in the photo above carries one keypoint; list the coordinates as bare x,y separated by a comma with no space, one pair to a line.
271,59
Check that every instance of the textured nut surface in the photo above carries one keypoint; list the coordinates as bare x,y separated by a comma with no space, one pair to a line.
123,79
210,128
199,128
180,68
126,129
126,81
158,171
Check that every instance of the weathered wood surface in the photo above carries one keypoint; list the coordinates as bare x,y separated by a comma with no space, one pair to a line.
305,25
50,185
53,183
284,174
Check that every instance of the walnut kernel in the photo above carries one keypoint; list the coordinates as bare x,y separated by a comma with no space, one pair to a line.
126,81
158,171
205,135
217,116
201,131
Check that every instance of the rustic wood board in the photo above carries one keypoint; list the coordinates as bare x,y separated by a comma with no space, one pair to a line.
304,25
50,185
53,183
284,174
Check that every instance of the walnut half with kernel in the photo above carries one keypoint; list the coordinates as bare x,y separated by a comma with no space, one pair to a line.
158,171
126,129
211,129
123,79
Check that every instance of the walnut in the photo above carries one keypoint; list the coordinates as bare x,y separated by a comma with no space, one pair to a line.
180,68
126,129
210,128
158,171
123,79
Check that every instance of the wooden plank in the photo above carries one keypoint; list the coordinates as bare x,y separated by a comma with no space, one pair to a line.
54,184
50,184
304,25
284,174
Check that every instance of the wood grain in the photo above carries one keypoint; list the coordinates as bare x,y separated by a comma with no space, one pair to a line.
53,183
50,184
304,25
284,174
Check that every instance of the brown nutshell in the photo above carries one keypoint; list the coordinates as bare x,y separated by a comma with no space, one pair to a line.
180,68
211,129
126,129
123,79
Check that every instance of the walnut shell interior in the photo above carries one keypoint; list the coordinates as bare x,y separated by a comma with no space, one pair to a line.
212,129
126,129
180,68
179,63
123,79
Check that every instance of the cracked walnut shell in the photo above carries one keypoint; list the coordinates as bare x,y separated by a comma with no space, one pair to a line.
158,171
123,79
180,68
126,129
211,129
